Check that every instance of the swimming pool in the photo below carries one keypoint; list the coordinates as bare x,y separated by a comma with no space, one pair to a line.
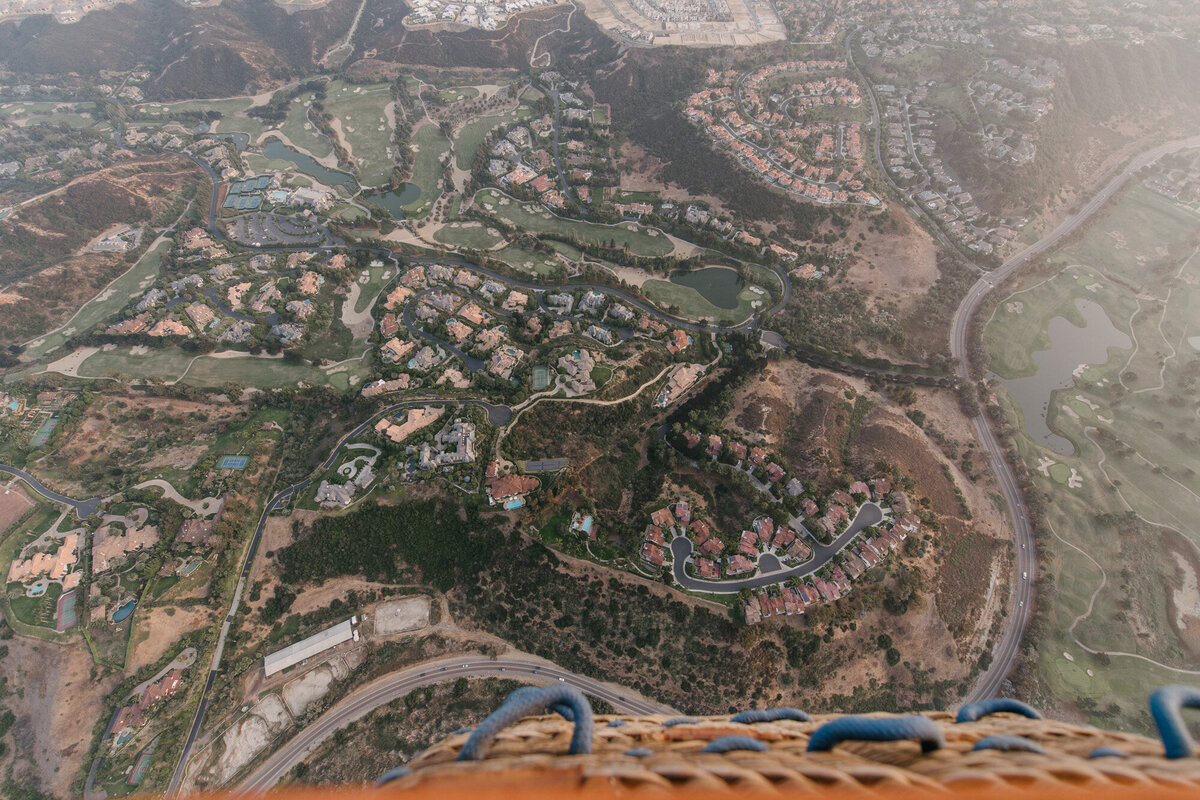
124,611
515,502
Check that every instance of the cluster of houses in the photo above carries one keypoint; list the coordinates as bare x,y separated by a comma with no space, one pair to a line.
862,555
818,160
522,158
912,158
488,15
472,315
225,294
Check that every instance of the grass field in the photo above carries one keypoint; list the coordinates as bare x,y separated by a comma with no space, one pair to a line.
132,284
365,127
1130,522
302,133
692,305
467,234
456,93
431,147
170,363
640,241
527,260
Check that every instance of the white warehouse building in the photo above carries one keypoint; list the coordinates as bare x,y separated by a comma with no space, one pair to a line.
307,648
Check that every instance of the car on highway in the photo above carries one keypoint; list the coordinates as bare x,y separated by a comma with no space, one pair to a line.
1024,576
562,680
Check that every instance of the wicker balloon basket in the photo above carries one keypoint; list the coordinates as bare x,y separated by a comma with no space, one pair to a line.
994,747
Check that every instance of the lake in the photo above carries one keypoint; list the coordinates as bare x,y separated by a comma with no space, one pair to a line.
718,285
395,200
1070,347
276,149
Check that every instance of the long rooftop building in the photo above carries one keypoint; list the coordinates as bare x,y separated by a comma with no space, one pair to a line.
307,648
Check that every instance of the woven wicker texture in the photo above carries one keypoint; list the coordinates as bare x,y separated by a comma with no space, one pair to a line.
643,752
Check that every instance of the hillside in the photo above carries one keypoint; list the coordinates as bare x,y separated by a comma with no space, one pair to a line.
232,48
45,268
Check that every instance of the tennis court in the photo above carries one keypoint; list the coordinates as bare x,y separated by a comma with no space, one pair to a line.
232,462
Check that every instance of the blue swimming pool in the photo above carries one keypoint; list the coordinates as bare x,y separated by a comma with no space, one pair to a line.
516,502
124,611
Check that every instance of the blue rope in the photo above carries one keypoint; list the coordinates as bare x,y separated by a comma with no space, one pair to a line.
727,744
616,723
524,702
770,715
562,709
394,774
1108,752
1165,706
639,752
833,733
1003,742
996,705
671,723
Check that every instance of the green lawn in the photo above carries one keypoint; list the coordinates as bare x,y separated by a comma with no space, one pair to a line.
456,93
431,147
467,234
527,260
640,241
360,110
302,133
110,301
169,363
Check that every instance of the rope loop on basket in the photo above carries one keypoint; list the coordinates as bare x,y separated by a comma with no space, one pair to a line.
1165,706
393,774
727,744
855,728
671,723
1108,752
995,705
754,715
1009,743
524,702
562,709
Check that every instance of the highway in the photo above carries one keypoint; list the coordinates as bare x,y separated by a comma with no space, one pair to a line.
681,547
1024,570
397,684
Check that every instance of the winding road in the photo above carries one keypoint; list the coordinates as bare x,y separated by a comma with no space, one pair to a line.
398,684
83,508
681,547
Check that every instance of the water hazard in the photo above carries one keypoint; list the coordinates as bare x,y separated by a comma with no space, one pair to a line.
308,165
1071,347
718,285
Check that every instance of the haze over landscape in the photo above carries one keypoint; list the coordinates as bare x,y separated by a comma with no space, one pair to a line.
362,361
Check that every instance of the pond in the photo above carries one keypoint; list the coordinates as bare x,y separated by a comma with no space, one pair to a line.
718,285
240,140
124,611
276,149
395,200
1070,348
